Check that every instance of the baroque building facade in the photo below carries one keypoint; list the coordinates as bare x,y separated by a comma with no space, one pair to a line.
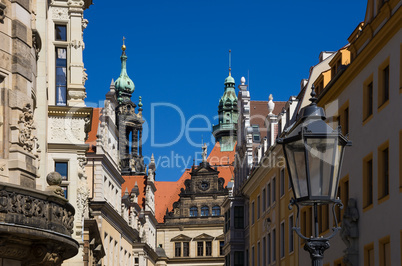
41,57
359,88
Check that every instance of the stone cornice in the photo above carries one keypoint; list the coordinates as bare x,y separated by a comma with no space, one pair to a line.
110,214
107,164
150,252
70,111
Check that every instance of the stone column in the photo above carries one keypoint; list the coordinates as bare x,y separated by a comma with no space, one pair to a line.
77,75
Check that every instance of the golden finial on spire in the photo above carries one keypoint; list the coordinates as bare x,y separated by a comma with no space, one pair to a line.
230,66
123,47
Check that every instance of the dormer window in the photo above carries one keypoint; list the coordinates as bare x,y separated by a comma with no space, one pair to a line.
256,134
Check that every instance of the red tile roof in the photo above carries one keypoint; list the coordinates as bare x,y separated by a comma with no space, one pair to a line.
168,192
218,157
130,183
94,130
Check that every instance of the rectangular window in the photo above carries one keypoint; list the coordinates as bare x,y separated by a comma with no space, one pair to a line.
268,195
258,207
323,216
62,169
256,134
346,121
177,249
282,240
264,199
186,249
269,248
274,245
60,32
252,256
368,100
239,258
282,182
208,248
239,217
221,245
252,213
383,83
264,248
383,170
368,180
385,251
273,190
369,255
258,254
291,235
200,248
61,76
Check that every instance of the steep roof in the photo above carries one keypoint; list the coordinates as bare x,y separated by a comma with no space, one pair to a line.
130,183
168,191
259,111
218,157
94,129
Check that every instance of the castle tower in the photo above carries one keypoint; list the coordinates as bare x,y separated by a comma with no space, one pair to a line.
129,123
225,132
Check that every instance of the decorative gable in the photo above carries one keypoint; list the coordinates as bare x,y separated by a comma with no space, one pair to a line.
204,237
181,238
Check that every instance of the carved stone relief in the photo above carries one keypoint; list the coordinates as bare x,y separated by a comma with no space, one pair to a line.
27,138
60,13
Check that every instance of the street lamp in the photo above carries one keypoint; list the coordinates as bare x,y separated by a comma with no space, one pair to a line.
313,153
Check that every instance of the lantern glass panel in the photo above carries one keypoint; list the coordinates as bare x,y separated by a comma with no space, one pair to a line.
322,153
297,166
337,166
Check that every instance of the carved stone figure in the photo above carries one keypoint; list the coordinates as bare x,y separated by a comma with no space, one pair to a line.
350,233
27,138
204,153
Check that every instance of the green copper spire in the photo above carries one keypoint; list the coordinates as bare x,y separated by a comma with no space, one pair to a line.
124,85
225,131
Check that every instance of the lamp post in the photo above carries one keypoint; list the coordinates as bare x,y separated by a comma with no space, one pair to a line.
314,153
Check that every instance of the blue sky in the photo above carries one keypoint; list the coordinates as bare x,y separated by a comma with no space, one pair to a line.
178,59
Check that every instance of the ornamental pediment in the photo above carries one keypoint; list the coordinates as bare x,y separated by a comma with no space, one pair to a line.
181,238
204,237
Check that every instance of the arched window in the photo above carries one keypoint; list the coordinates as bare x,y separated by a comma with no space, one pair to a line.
193,211
216,211
204,211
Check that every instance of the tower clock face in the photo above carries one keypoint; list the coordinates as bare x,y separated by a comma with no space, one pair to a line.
204,185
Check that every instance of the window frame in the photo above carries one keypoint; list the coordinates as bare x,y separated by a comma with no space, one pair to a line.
368,185
368,99
383,176
383,92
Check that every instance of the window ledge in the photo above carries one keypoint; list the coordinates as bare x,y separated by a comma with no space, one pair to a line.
385,198
368,207
382,106
367,119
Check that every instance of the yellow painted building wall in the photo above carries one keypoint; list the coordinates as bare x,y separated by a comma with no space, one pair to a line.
275,217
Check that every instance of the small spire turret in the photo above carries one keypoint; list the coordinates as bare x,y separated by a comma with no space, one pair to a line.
124,85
